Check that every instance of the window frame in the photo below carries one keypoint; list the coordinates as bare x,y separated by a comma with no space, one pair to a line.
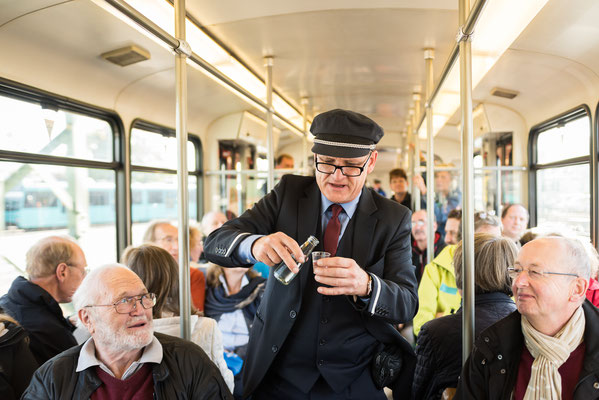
22,92
563,118
166,131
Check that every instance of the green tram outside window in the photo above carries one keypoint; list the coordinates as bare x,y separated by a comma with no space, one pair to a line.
58,176
154,176
559,182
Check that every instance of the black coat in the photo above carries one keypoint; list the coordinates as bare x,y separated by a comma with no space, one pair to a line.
381,245
439,347
185,372
491,370
41,316
17,364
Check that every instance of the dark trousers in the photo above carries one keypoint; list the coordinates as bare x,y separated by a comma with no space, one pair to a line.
274,387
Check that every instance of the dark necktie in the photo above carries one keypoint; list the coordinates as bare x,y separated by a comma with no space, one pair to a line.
331,233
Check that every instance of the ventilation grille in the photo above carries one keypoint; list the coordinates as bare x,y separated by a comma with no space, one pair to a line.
127,55
505,93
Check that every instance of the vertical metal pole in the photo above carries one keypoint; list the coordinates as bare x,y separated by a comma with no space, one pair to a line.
181,125
499,192
270,182
305,139
410,171
429,55
468,180
594,184
415,119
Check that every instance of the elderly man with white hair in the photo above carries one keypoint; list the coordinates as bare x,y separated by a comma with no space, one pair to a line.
548,348
124,358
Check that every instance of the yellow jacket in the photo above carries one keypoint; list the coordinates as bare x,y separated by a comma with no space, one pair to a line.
437,294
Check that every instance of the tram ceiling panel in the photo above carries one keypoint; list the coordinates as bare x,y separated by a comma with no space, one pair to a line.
58,49
554,63
12,9
335,55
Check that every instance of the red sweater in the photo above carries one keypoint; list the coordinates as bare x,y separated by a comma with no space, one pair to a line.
570,372
593,292
139,386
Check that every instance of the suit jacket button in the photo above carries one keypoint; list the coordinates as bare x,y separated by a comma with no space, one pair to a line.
322,342
275,349
320,363
324,320
292,314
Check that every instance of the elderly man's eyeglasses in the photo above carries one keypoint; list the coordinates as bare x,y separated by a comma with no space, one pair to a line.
347,170
534,275
128,304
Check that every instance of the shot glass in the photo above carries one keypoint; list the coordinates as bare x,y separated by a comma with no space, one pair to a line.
317,255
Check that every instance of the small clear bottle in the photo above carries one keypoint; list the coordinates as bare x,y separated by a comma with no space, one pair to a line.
283,273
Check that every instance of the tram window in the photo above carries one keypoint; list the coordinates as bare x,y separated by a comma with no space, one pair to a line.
564,141
157,193
29,128
150,149
44,200
563,199
562,192
47,186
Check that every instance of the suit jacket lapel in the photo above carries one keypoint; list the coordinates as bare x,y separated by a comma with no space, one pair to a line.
307,222
364,228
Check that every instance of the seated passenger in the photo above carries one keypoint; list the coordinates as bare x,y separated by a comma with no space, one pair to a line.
166,236
398,182
440,341
124,358
548,348
196,244
420,241
438,293
232,298
17,364
514,218
446,198
56,266
159,274
453,227
528,236
210,222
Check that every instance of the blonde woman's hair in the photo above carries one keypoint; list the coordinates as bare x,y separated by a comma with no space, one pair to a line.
45,255
492,257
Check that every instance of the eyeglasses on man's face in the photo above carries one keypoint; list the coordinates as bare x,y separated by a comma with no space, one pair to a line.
347,170
128,304
535,275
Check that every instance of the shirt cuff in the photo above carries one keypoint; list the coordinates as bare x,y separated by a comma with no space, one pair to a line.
244,250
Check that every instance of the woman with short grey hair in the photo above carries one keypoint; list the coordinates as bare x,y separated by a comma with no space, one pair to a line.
439,346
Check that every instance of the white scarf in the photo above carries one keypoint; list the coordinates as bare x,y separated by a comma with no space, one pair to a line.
550,352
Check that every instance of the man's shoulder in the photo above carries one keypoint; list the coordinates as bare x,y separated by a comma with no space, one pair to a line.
502,336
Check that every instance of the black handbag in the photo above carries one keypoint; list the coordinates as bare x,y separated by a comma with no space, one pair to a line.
386,366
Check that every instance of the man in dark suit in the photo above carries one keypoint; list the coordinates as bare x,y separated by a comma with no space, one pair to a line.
316,337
